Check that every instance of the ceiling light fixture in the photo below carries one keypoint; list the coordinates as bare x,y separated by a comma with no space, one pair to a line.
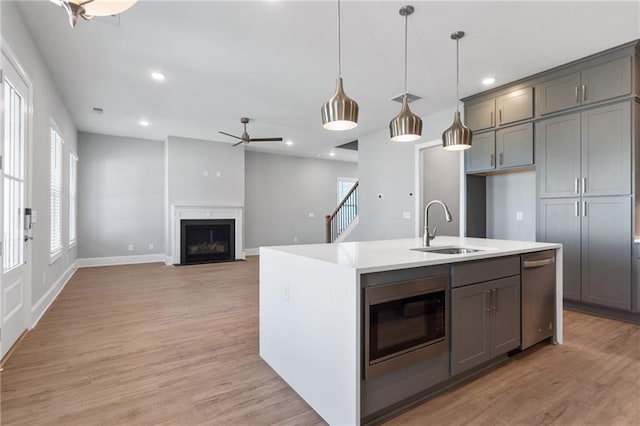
407,126
89,9
289,143
340,112
489,81
144,123
458,136
332,154
158,76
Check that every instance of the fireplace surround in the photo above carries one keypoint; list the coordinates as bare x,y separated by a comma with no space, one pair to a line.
207,241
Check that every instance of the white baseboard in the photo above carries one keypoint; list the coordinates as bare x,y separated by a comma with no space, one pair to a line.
252,252
121,260
56,288
168,260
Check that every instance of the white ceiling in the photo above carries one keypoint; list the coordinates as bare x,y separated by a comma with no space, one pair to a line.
276,61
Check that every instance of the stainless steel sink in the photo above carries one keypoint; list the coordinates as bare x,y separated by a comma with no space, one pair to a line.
446,250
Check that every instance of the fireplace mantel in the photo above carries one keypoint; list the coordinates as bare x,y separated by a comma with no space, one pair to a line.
179,212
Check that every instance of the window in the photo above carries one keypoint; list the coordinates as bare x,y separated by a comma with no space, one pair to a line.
73,198
56,193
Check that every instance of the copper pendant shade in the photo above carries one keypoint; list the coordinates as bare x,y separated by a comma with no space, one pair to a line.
458,136
340,112
406,126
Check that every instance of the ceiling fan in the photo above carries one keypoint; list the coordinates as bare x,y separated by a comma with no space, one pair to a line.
245,138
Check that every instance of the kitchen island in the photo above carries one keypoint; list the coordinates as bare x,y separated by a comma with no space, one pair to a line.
313,315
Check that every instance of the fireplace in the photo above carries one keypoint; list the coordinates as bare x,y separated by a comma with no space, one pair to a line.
207,241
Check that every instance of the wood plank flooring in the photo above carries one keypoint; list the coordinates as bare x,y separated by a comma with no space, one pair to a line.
159,345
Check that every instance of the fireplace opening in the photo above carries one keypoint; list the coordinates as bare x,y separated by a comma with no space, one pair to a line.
207,241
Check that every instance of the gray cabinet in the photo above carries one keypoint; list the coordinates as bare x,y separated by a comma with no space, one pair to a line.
559,222
597,83
586,153
607,251
595,233
514,146
485,322
515,106
480,115
481,157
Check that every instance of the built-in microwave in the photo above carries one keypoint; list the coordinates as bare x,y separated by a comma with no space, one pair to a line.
404,323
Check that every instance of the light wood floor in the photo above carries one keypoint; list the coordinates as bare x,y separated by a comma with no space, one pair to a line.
158,345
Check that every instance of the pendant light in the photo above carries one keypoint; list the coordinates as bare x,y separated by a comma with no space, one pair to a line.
340,112
458,136
89,9
407,126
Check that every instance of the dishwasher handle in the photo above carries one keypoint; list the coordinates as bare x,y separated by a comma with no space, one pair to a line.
537,263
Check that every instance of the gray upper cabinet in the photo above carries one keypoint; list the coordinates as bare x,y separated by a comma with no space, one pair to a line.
600,82
606,150
558,156
606,251
480,115
481,156
515,106
514,146
559,222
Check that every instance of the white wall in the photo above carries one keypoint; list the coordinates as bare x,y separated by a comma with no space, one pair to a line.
192,180
121,196
388,168
281,192
46,278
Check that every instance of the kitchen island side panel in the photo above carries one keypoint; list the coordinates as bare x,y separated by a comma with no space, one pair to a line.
310,331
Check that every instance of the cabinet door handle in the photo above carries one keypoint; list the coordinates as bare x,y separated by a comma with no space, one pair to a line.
493,160
584,93
577,94
577,186
577,208
500,115
501,158
584,185
584,208
494,293
491,119
486,302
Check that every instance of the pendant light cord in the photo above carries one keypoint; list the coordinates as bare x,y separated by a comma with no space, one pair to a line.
458,74
406,23
339,45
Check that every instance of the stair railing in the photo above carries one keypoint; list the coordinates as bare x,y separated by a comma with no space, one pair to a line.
343,215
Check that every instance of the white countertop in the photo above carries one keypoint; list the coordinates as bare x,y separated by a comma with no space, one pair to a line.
372,256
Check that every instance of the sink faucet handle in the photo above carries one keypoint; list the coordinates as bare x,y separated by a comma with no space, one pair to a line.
433,235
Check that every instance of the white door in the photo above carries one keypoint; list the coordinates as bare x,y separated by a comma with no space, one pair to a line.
13,304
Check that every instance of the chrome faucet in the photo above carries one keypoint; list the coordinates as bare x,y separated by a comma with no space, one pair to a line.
427,237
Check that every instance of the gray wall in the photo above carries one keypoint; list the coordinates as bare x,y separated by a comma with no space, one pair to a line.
281,192
192,179
47,105
388,168
441,181
121,196
508,194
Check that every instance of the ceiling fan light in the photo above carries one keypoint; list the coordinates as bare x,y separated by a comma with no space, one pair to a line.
406,126
458,136
340,112
104,7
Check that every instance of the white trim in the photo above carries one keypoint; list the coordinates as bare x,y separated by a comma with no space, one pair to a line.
60,284
89,262
167,260
252,252
54,257
179,213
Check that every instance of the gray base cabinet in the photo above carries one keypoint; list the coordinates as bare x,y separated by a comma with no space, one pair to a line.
485,322
595,233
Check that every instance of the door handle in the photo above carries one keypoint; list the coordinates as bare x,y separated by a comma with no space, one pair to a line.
584,185
494,293
584,93
491,119
537,263
584,208
500,115
577,95
486,296
501,158
577,208
577,186
493,160
28,238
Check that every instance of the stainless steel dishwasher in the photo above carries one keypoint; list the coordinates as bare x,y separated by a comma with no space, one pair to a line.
538,296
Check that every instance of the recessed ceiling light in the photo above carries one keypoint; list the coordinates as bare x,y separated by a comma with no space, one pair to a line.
158,76
289,142
144,123
489,80
332,154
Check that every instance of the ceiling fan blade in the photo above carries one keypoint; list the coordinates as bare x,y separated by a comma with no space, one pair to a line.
265,140
229,134
238,143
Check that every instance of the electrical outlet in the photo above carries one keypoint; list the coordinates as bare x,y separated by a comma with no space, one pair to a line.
312,215
406,215
130,247
519,216
295,239
150,246
218,174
